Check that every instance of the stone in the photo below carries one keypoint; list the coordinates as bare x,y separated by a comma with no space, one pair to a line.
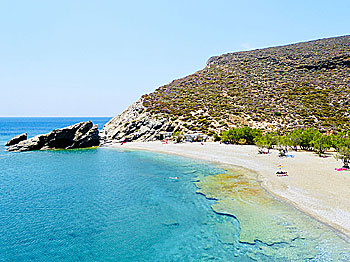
16,139
80,135
134,124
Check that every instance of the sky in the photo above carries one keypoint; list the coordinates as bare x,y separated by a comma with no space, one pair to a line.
94,58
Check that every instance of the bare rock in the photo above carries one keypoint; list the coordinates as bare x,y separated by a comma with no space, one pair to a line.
134,124
80,135
16,139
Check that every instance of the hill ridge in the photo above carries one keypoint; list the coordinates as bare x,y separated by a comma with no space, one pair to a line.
280,88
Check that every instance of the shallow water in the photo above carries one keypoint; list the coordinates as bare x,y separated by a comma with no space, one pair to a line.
282,232
112,205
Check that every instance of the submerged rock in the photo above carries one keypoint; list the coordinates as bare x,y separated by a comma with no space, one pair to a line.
80,135
16,139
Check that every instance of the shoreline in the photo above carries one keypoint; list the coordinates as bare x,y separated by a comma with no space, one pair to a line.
312,185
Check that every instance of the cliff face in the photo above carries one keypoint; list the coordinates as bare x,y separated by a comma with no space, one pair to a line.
280,88
135,124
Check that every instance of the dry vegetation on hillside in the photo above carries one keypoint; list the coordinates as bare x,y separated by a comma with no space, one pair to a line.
279,88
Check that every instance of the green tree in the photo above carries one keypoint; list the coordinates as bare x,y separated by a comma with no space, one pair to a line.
282,143
177,135
306,136
264,142
321,143
343,152
240,135
229,136
295,138
216,137
338,140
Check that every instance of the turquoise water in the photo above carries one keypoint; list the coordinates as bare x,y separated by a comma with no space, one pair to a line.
109,205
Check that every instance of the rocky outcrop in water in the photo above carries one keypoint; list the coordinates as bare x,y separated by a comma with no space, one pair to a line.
16,139
80,135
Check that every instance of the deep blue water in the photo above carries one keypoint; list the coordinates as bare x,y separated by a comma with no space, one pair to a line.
107,205
11,126
101,205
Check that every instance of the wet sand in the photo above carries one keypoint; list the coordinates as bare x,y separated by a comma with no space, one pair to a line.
312,184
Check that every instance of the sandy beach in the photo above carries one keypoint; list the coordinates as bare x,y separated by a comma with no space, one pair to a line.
312,184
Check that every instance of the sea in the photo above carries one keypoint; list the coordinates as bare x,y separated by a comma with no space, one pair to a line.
125,205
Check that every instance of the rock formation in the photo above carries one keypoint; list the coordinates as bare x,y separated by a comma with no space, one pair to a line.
274,89
16,139
135,124
80,135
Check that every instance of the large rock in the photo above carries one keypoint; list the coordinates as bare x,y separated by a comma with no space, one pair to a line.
16,139
135,124
80,135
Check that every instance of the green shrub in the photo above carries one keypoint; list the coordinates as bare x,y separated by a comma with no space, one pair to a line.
216,137
321,143
264,142
306,137
241,135
177,135
282,143
343,151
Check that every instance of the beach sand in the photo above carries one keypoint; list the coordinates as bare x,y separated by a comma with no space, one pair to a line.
312,184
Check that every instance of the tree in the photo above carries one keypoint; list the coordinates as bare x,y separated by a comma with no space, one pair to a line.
216,137
343,152
321,143
229,136
295,138
249,134
338,140
306,137
282,143
264,142
240,135
177,135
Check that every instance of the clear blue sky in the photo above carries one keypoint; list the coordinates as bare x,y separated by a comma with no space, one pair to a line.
94,58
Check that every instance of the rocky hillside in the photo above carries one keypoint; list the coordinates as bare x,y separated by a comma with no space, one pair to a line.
280,88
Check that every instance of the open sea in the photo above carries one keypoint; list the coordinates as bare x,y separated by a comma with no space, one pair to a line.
120,205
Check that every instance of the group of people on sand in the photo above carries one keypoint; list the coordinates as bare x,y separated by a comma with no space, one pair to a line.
281,172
